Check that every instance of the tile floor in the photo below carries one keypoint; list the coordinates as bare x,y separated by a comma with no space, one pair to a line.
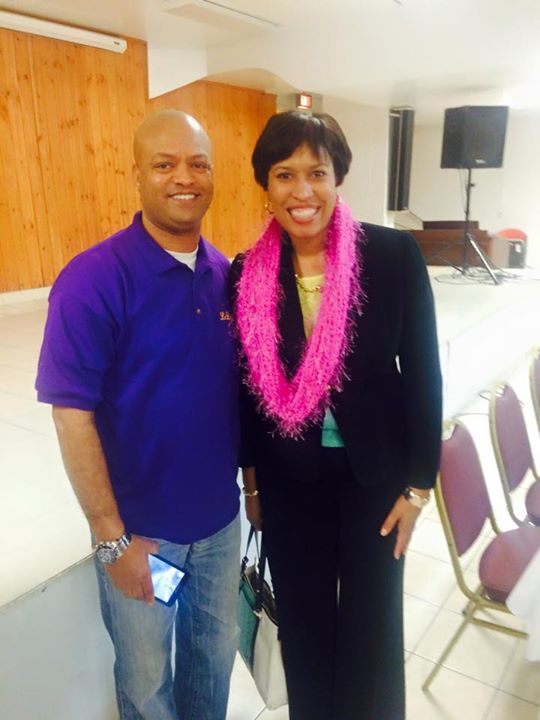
486,677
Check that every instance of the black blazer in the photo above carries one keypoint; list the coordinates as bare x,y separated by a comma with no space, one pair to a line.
389,410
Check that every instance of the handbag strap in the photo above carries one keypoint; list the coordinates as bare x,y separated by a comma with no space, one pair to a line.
261,567
245,559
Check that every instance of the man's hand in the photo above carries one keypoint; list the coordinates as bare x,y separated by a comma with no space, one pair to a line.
404,514
130,574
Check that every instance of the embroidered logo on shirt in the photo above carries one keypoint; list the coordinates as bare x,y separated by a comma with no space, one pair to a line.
225,315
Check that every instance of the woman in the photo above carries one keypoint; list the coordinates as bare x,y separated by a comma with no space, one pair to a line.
341,417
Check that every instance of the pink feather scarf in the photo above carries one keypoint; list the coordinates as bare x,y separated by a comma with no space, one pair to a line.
292,403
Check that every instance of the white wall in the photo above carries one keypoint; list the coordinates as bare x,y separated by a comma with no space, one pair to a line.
55,656
170,68
366,129
505,197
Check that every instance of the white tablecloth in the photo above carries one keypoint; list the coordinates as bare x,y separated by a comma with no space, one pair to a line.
524,601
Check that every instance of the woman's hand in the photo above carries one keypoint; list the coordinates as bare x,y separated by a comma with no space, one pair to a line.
253,512
404,514
251,495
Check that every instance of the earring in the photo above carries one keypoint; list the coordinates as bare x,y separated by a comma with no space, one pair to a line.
268,208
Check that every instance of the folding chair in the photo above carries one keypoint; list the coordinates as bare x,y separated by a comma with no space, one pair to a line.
534,381
464,507
513,451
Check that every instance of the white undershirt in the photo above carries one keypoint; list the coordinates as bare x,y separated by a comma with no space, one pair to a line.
188,259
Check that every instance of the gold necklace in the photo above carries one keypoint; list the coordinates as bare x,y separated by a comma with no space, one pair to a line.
314,289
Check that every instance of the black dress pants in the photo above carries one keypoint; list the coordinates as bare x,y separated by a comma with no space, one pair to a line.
339,594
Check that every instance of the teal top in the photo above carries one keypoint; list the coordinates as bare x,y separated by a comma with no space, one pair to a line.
309,292
331,437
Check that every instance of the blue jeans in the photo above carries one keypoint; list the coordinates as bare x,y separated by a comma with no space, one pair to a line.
203,623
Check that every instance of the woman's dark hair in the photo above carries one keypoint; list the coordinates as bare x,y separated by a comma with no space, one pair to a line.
286,131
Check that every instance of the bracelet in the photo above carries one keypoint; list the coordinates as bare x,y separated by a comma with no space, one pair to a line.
414,498
250,493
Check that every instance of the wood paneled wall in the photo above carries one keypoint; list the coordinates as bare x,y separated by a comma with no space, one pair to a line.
67,114
234,118
67,118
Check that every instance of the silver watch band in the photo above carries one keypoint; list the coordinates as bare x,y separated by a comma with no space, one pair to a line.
107,551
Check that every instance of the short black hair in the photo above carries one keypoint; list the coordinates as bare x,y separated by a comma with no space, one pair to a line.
287,131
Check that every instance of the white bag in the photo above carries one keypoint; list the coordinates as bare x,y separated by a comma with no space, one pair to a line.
259,643
267,664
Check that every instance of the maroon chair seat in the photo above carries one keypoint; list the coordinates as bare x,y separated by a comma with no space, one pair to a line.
505,559
532,503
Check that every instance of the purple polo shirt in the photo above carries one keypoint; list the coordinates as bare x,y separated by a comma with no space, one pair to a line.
137,337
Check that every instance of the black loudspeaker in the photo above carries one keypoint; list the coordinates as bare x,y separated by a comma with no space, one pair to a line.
399,160
474,136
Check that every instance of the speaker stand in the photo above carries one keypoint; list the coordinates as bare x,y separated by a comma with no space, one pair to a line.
470,243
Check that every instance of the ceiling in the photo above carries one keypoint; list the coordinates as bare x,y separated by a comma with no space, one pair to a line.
427,54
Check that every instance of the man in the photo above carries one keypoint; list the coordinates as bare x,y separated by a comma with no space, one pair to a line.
138,363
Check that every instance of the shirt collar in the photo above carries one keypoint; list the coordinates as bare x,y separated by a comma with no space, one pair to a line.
156,258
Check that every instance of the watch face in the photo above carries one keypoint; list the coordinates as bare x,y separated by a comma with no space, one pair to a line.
106,554
414,499
109,551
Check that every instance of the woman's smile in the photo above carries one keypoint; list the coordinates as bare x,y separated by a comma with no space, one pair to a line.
303,214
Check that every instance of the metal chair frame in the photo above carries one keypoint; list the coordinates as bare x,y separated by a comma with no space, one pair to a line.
497,391
477,599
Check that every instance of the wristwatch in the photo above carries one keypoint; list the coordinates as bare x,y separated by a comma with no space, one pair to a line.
417,500
107,551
